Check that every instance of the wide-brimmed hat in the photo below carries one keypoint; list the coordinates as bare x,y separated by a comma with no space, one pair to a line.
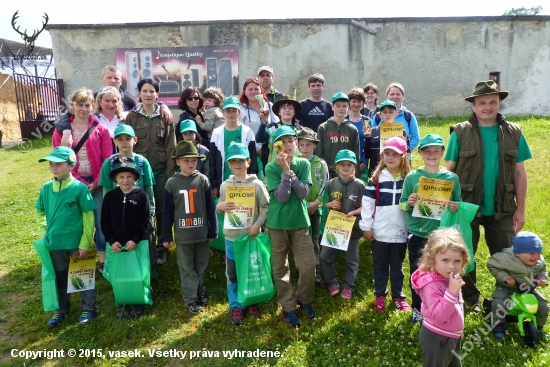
308,134
186,149
237,151
188,125
484,88
59,155
287,99
123,164
345,155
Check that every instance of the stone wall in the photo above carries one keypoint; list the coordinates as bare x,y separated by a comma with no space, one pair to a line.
438,60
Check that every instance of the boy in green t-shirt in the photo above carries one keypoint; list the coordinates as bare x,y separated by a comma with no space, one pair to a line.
65,216
125,139
431,150
288,182
307,141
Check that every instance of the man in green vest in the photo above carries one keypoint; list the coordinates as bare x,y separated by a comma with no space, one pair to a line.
488,154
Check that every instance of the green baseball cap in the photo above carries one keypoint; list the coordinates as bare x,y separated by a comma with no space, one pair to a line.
188,125
124,129
231,102
429,140
283,131
237,151
60,155
340,97
345,155
388,103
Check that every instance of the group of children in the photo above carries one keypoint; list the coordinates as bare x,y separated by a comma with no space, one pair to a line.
290,205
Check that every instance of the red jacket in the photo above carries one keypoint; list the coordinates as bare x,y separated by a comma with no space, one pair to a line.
98,147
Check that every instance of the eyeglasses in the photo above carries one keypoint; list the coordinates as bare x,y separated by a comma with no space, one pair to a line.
251,80
193,98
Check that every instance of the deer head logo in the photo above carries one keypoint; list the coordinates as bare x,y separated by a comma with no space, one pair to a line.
29,40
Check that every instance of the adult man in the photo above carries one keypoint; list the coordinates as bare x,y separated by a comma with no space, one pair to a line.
266,78
315,109
488,154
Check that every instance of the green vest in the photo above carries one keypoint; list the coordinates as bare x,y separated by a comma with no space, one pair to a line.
470,164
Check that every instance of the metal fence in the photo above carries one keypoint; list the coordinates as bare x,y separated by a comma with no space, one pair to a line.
39,100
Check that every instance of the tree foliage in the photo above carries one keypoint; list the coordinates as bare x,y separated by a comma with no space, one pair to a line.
523,11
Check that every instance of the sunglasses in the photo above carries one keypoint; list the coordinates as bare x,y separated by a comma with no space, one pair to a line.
193,98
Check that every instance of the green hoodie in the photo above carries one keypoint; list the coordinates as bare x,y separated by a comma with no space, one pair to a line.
422,227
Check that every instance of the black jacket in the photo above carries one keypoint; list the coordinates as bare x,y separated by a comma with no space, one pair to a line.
125,217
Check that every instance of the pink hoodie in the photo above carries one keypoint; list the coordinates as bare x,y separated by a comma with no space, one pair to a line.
443,311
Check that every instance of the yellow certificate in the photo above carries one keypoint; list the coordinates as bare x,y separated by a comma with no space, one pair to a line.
432,196
81,273
244,199
389,130
337,230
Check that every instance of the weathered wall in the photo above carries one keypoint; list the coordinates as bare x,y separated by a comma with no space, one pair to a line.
438,60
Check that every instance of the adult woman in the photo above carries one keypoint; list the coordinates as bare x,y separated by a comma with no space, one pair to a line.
370,107
191,102
157,143
253,114
108,109
396,93
92,144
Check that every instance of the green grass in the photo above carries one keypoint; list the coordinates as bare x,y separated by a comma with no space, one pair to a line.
346,333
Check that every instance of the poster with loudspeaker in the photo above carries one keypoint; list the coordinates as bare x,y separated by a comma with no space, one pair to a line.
177,68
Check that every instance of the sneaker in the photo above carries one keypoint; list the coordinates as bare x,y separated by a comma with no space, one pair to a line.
194,308
56,319
101,267
499,332
347,293
473,306
121,312
307,309
253,310
333,290
291,318
237,316
86,316
162,257
401,304
416,317
134,312
380,304
203,300
317,278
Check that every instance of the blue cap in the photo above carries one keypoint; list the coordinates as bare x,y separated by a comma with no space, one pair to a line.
526,242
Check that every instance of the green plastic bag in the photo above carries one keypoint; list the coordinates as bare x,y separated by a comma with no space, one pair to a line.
49,288
460,220
219,243
129,274
253,263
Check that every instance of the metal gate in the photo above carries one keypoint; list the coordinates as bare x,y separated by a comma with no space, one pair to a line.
39,101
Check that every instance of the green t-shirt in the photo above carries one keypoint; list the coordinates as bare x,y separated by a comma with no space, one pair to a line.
292,214
230,137
142,164
491,164
64,213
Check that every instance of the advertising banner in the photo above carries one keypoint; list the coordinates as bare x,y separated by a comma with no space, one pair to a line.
177,68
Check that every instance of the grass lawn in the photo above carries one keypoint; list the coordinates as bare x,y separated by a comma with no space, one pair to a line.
346,333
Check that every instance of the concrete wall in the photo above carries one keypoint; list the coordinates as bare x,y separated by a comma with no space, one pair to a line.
438,60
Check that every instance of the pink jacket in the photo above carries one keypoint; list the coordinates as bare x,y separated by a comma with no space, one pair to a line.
443,311
98,147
